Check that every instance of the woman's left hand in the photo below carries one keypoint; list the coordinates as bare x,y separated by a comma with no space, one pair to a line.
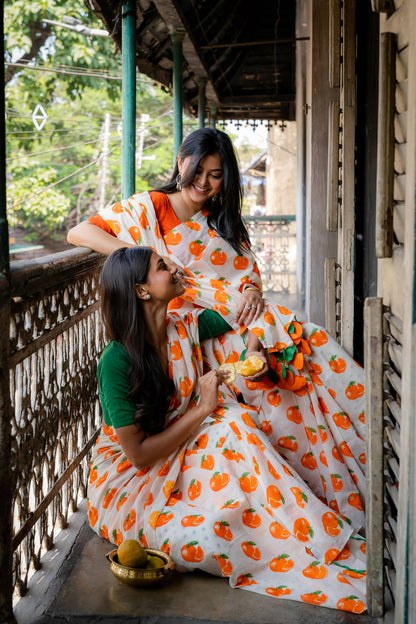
250,307
175,270
263,372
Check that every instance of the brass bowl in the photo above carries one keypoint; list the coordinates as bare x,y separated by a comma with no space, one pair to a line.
141,576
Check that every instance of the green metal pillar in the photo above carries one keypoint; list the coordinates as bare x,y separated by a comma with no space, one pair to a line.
6,574
128,155
213,116
177,39
202,101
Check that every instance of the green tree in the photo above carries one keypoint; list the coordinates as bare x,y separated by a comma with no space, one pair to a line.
55,174
31,40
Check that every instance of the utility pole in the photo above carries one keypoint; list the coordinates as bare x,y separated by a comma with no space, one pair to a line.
144,118
103,160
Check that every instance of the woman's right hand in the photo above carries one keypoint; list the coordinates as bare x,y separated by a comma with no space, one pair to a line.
208,386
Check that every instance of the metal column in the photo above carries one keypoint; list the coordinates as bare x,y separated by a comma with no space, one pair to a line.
202,101
177,38
213,116
128,164
6,576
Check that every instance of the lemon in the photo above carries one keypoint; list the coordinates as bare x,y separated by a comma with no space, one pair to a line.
230,369
251,366
153,561
248,367
132,554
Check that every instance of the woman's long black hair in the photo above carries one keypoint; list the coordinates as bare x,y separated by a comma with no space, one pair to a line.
151,389
223,216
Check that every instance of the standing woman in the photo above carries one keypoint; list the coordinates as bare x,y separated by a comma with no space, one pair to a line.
196,221
183,468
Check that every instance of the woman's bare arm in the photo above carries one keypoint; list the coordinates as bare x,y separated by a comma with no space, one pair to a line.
86,234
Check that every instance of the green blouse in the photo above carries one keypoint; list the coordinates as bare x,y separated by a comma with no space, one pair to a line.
113,372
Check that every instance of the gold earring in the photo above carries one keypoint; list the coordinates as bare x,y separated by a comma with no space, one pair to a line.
178,182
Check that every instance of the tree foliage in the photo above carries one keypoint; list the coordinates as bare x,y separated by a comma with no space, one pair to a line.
55,176
29,39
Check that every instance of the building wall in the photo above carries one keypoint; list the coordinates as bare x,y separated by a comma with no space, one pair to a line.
281,169
396,276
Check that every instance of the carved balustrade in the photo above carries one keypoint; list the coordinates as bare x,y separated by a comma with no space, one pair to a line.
273,240
55,339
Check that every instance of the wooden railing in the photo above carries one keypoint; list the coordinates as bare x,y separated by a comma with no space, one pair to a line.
49,401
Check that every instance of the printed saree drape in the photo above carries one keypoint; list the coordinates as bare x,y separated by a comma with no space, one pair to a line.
227,501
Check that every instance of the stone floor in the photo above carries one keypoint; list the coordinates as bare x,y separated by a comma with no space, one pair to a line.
83,590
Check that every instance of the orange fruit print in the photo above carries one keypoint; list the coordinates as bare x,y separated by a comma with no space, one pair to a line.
354,390
288,442
192,552
218,481
248,482
302,530
251,518
274,497
274,398
241,263
222,529
293,414
246,579
352,604
341,420
309,461
250,549
196,247
278,531
207,462
218,257
300,496
282,590
194,489
317,597
172,238
281,563
189,521
332,524
225,564
337,364
315,571
318,338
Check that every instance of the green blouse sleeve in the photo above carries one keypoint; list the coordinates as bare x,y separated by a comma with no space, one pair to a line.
211,324
113,382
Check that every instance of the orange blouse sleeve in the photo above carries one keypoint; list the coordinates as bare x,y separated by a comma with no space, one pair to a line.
99,222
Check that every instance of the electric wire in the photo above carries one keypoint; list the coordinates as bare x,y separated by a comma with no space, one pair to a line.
47,188
59,149
81,72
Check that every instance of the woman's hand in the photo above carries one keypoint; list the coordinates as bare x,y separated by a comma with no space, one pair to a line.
263,372
250,307
208,386
175,270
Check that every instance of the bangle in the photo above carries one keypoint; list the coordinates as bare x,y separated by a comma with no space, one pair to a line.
254,289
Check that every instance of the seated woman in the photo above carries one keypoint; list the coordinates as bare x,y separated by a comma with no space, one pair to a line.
181,466
196,221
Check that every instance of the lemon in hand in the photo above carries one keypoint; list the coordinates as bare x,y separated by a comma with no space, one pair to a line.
229,368
132,554
251,366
